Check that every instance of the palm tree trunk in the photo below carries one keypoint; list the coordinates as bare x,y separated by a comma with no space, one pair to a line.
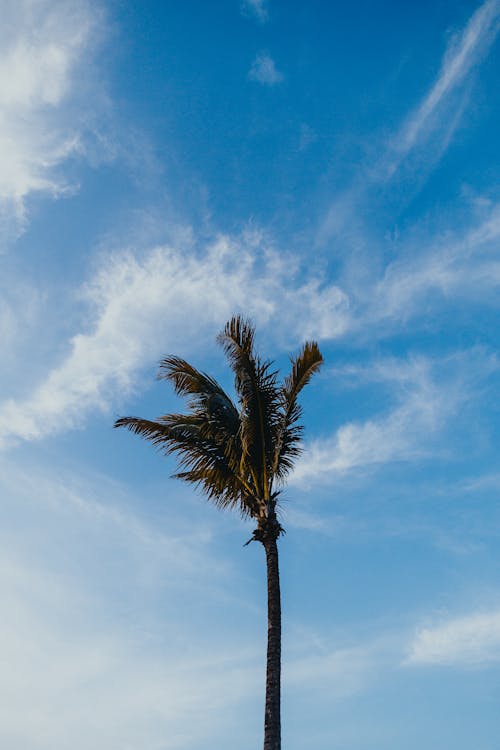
272,722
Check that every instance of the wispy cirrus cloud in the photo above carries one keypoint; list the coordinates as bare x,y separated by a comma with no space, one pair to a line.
425,134
464,52
264,70
470,640
142,306
439,269
426,395
456,266
43,47
392,436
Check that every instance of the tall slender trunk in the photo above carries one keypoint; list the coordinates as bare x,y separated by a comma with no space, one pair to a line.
272,722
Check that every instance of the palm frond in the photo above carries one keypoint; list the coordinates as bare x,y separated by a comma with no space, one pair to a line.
185,378
155,432
207,451
287,447
197,386
256,385
237,339
304,365
221,487
234,452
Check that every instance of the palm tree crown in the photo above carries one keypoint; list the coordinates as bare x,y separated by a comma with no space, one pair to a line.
241,454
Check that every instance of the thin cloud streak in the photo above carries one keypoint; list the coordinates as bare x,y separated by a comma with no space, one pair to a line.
457,266
396,435
462,54
471,640
96,501
427,397
428,130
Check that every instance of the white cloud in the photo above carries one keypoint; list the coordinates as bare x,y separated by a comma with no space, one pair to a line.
256,9
169,300
432,271
396,435
263,70
42,45
425,133
325,668
456,266
300,518
462,641
426,395
336,674
464,52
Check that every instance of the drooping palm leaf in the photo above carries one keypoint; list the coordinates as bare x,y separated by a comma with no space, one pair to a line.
199,387
206,459
155,432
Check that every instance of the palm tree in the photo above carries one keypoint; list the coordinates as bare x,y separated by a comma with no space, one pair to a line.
240,455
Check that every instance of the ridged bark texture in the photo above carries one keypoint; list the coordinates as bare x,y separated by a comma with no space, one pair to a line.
272,722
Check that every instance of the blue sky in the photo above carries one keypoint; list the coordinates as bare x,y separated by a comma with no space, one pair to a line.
331,170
